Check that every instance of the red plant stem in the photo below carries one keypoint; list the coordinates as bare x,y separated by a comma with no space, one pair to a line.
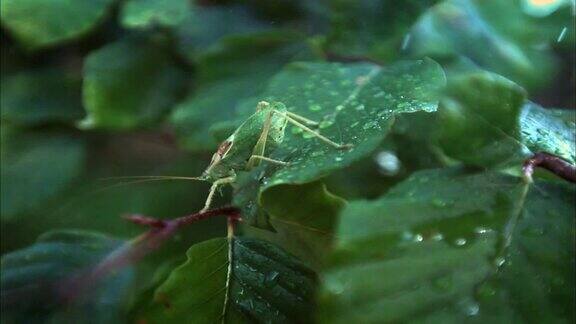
134,250
551,163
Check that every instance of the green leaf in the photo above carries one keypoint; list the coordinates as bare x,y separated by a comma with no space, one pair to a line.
457,247
238,70
486,121
35,168
140,14
354,104
34,281
480,120
303,219
42,23
516,42
239,279
129,84
40,96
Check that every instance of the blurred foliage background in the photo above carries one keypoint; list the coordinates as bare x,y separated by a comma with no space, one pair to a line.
96,89
93,89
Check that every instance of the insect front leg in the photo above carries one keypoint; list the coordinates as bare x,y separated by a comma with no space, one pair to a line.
313,132
213,188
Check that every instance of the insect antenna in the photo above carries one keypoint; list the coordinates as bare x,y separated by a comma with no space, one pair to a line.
144,179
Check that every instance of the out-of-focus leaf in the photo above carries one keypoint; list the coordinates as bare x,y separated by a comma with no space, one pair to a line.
457,247
354,104
42,23
36,97
374,28
235,280
237,70
36,281
495,34
141,14
36,167
205,27
128,84
486,121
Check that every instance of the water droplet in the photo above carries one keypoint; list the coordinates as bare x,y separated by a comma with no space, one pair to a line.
460,241
388,163
315,107
335,286
406,41
437,202
499,261
271,278
296,130
325,124
471,308
307,135
317,153
407,236
562,35
418,238
482,230
338,159
437,237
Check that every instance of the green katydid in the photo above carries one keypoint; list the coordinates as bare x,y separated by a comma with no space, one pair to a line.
246,147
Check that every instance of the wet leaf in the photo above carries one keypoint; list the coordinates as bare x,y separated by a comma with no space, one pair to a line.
459,247
353,104
140,14
129,84
487,121
40,96
303,219
35,281
265,285
35,168
42,23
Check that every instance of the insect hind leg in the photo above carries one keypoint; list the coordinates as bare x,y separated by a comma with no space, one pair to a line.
313,132
302,119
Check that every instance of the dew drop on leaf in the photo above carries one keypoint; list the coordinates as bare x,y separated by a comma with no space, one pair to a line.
460,241
388,163
271,279
315,107
499,261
